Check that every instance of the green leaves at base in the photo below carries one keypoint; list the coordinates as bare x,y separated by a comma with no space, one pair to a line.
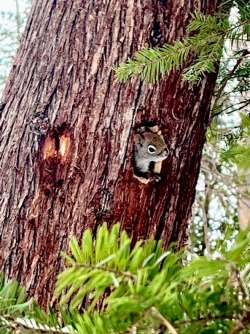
109,286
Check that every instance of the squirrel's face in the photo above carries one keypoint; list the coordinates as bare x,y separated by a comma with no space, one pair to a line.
151,146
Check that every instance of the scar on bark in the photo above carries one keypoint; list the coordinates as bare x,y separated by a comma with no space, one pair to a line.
56,150
57,144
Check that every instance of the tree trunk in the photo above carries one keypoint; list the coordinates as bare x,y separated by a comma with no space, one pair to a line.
67,127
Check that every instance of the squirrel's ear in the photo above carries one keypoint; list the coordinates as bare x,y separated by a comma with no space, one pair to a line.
141,129
138,139
155,129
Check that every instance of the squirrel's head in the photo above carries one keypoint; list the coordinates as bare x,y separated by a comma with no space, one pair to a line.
150,146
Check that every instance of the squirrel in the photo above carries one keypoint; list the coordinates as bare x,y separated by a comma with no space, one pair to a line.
150,150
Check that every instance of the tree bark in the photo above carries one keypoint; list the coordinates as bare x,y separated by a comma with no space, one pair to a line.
66,132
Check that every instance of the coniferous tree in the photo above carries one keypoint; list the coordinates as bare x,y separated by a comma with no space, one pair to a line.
67,129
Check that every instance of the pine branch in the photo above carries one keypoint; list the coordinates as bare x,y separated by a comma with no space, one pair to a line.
206,43
150,64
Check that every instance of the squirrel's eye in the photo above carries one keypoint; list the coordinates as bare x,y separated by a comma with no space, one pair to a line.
151,149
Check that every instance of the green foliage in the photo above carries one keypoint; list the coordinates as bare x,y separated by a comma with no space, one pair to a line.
20,315
205,41
239,154
12,302
109,286
244,9
224,175
238,150
148,287
150,64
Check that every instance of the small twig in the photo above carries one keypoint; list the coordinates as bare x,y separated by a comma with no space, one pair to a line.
240,324
243,290
225,80
205,210
238,109
119,273
165,322
202,320
245,271
244,103
133,330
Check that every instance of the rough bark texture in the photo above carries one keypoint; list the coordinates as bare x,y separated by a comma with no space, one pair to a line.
67,126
